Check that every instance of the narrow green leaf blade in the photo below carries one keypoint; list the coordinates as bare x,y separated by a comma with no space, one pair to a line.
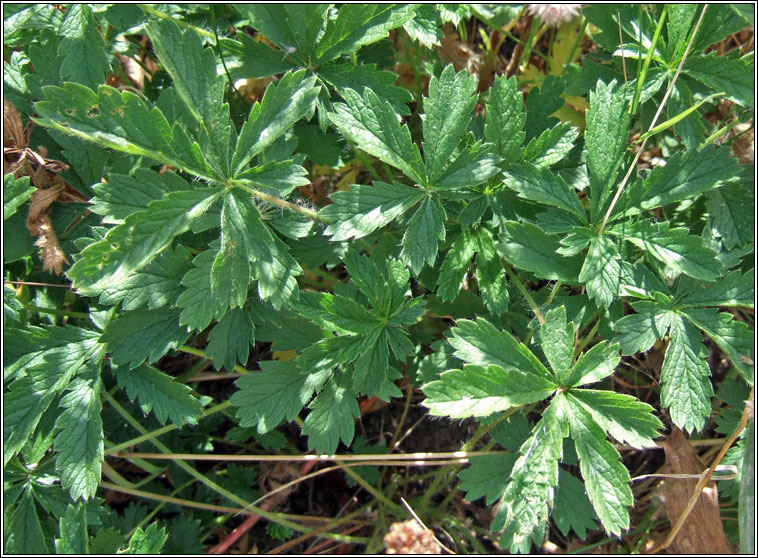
732,336
129,247
144,334
15,193
686,175
479,391
279,390
25,535
79,442
606,139
487,475
490,273
732,75
448,110
284,103
601,272
361,210
527,247
605,477
544,186
505,120
360,24
230,339
331,418
158,392
426,229
624,417
479,342
525,505
685,377
558,341
372,124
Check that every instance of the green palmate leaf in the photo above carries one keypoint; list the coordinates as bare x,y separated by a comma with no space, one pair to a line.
230,339
148,541
276,272
624,417
733,337
573,509
685,376
360,24
79,442
734,289
198,85
676,248
558,341
606,139
386,287
130,246
686,175
544,186
279,390
121,121
254,58
473,166
331,418
605,477
487,475
284,103
15,193
551,146
144,334
348,76
455,265
490,273
123,195
680,18
479,342
337,312
504,124
425,229
425,26
731,211
289,26
198,303
230,274
81,41
638,332
372,124
160,393
46,375
73,528
155,285
448,110
25,535
594,365
526,247
363,209
480,391
732,75
526,503
602,270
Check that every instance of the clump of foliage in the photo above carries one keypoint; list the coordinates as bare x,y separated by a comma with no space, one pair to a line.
336,235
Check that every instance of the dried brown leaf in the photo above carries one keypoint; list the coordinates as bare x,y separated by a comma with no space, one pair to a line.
702,532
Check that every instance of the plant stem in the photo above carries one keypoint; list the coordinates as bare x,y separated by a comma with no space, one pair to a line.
522,289
279,202
648,59
201,353
148,436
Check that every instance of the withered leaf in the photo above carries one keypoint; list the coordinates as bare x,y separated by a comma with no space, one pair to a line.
702,532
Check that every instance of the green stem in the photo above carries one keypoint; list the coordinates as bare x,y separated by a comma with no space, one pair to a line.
279,202
523,291
376,493
586,340
648,60
577,41
55,311
149,436
201,353
181,23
